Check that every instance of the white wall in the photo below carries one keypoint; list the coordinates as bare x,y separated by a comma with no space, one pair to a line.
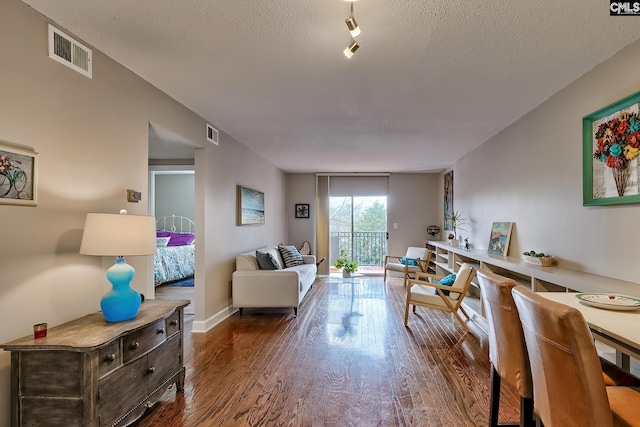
531,173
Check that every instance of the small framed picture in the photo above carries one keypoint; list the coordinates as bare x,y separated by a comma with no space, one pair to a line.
18,176
302,210
500,237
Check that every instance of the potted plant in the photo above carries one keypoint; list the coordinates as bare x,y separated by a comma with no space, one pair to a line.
345,264
456,219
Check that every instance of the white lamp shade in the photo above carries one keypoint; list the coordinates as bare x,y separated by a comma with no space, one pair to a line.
118,235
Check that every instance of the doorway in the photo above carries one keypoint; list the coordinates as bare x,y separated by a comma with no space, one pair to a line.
172,195
358,225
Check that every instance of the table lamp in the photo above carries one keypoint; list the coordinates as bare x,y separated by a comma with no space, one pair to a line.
119,235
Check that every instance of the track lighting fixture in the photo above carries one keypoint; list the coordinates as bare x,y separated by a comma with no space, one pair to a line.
352,25
349,51
354,30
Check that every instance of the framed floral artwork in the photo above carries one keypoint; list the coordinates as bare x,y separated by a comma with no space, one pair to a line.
610,149
18,176
448,200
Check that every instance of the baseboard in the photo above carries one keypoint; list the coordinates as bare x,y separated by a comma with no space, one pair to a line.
206,325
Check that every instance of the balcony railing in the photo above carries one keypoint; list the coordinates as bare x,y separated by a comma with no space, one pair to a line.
366,248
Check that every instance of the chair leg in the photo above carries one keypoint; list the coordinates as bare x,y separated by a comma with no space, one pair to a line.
527,419
406,310
494,400
526,405
462,322
384,278
464,312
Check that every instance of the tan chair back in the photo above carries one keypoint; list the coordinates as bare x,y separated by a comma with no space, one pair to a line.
507,350
568,387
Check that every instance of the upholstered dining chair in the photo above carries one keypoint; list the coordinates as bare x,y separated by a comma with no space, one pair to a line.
415,260
507,349
430,294
568,385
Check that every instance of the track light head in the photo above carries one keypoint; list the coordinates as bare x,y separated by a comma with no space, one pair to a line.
349,51
353,27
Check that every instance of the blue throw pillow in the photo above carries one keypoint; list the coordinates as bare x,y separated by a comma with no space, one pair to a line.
411,261
447,281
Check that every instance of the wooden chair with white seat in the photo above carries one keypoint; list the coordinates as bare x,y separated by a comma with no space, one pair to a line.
430,294
415,260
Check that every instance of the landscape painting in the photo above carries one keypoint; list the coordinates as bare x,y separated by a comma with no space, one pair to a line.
499,239
250,206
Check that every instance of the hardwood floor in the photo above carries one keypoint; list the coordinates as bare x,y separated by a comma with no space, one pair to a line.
346,360
176,293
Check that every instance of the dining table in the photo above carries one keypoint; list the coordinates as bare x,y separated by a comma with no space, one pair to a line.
617,326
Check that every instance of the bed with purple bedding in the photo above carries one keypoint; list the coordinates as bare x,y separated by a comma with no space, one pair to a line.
175,259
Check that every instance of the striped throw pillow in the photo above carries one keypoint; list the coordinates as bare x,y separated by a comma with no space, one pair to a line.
290,256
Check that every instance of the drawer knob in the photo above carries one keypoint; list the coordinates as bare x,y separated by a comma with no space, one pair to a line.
151,369
134,345
174,323
111,357
160,331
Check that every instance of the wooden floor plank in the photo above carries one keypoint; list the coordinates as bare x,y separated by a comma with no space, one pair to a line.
346,360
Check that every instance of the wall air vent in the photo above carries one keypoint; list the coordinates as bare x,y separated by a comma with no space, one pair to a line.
212,134
69,52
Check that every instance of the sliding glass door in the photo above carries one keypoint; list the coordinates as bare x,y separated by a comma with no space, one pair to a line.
359,226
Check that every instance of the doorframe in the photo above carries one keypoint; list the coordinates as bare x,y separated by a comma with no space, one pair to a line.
155,170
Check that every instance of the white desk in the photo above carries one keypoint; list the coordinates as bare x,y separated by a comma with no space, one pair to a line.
618,329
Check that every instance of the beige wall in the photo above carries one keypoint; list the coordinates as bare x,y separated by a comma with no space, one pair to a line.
413,205
531,173
301,188
218,171
92,138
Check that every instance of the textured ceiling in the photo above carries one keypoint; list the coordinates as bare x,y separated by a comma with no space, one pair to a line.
433,79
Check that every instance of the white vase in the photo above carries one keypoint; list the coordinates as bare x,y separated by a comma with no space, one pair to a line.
346,274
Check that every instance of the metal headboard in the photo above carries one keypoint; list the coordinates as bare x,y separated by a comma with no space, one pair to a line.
178,224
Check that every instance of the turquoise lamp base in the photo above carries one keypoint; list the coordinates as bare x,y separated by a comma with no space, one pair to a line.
122,302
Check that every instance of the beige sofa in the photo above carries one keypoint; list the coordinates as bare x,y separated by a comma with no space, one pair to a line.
253,287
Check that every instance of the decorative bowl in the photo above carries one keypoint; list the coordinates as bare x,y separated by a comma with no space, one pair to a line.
546,261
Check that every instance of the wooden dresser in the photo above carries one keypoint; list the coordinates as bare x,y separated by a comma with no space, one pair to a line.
88,372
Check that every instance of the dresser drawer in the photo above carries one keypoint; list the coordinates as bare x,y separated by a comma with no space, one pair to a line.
121,390
109,358
164,362
173,323
142,341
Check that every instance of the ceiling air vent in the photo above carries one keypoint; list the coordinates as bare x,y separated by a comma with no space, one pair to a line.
212,134
69,52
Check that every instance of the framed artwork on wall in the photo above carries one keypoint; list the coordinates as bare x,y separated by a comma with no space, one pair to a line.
18,176
448,199
499,238
250,206
302,210
610,149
